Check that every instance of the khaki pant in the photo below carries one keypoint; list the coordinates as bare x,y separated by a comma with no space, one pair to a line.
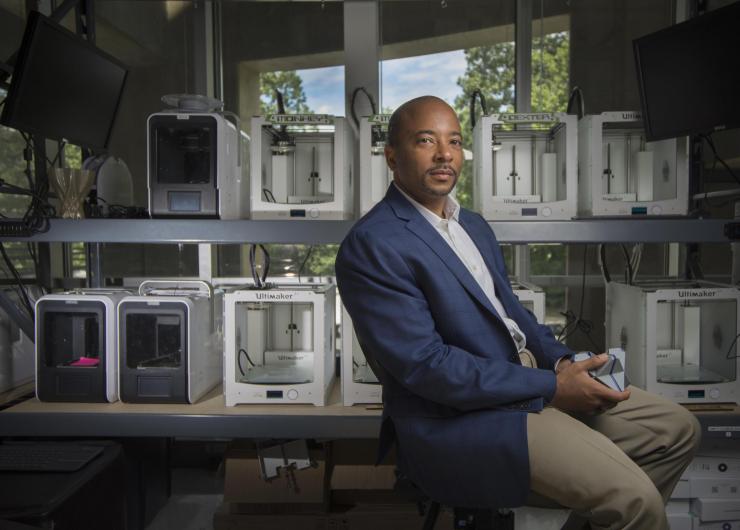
616,469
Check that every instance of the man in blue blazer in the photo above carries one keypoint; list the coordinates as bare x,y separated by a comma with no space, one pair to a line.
485,405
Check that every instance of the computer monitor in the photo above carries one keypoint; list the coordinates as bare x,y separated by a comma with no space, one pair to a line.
688,75
63,86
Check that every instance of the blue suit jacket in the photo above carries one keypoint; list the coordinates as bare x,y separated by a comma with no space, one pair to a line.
455,395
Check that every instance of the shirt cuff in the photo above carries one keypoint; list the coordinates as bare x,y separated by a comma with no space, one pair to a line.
569,357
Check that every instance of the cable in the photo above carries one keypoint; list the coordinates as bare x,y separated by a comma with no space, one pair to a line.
239,360
303,264
269,197
732,344
575,323
24,294
483,106
581,103
602,262
628,273
710,141
259,281
373,107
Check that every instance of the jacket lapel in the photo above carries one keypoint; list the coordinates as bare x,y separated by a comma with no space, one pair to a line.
429,235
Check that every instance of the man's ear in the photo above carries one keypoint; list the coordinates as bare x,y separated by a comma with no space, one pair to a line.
390,157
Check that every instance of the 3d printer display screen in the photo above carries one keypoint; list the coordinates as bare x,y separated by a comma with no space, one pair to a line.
154,340
71,339
185,154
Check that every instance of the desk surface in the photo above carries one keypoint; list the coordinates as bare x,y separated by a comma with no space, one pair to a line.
210,418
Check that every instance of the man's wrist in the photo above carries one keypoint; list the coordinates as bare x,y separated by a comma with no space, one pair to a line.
563,363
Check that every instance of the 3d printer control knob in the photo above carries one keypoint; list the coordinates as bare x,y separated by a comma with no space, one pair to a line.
313,212
292,394
714,393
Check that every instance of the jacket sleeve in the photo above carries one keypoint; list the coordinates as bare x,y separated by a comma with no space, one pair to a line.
394,323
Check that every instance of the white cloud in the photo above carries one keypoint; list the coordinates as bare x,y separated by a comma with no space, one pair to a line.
324,88
435,74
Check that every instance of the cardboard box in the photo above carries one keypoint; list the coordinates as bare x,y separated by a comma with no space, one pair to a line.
356,479
245,488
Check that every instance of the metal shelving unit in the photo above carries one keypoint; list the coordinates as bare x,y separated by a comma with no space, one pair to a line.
623,230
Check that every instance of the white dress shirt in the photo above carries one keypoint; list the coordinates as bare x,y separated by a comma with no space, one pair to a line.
460,242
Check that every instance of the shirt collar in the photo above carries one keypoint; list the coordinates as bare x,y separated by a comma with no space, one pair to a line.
451,209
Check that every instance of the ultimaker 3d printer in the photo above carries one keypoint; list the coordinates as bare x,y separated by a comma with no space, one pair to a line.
279,345
680,337
622,174
301,167
525,166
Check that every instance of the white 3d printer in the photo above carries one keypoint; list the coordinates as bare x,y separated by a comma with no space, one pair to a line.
622,174
375,176
680,337
170,339
301,167
76,346
197,160
279,345
525,166
531,297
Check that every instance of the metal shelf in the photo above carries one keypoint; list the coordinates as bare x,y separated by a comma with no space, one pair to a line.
627,230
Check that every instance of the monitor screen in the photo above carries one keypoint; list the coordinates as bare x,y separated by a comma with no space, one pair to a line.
63,86
688,75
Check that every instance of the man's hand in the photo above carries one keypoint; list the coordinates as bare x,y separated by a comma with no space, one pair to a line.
577,391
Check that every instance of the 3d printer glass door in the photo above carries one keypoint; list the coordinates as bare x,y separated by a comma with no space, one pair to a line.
301,171
154,340
274,343
695,341
72,339
635,170
529,164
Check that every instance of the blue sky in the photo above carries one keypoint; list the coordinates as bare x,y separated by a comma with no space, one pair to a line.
401,80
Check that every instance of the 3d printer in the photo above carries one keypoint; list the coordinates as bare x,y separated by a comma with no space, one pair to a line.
531,297
76,346
359,382
622,174
197,161
525,166
680,337
375,176
301,167
279,345
170,339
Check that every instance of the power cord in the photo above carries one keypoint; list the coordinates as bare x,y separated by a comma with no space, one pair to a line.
25,299
303,264
373,107
577,93
483,107
575,323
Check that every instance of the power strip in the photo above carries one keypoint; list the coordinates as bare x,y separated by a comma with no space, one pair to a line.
11,228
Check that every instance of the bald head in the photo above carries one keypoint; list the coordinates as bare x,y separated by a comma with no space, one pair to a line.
409,109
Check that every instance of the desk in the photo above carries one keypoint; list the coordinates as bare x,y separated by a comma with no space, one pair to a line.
210,418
